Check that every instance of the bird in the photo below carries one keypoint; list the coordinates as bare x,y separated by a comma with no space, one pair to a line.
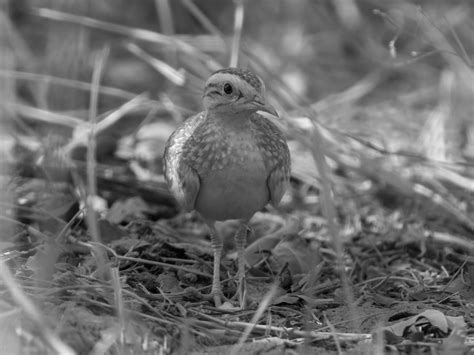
228,161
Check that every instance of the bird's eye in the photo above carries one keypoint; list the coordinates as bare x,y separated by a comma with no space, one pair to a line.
228,89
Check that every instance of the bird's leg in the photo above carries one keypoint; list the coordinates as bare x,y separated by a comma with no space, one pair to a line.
240,240
216,243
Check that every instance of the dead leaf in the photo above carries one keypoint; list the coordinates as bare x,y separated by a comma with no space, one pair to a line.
454,344
127,210
110,232
462,288
43,263
434,317
287,299
297,253
261,248
384,300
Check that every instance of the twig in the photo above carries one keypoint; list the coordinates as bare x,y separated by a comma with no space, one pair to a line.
71,83
49,337
238,24
137,33
93,245
333,331
91,163
253,322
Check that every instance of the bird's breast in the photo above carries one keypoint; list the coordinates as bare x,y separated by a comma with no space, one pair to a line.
233,178
220,150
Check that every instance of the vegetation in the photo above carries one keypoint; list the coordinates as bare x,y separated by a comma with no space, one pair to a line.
371,249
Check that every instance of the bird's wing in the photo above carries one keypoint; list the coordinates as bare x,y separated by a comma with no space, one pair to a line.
277,182
182,179
275,153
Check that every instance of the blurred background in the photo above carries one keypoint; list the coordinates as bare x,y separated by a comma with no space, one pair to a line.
393,56
383,80
384,89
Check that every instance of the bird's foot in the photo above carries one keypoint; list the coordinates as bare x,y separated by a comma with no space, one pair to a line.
242,291
242,296
217,297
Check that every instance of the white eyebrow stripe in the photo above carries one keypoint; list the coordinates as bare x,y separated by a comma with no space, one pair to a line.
234,80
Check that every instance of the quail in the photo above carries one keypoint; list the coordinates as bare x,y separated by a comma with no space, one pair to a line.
228,161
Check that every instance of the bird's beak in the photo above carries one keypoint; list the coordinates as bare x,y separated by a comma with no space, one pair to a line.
262,106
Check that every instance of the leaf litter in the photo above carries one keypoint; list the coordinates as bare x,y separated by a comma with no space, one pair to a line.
403,210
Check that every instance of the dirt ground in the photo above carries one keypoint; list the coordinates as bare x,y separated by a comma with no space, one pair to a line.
370,250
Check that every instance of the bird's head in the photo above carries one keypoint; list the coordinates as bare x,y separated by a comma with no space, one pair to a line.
236,90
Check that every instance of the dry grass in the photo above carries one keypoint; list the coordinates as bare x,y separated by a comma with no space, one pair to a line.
372,246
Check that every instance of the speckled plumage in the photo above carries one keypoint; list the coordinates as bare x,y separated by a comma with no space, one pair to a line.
204,145
228,161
